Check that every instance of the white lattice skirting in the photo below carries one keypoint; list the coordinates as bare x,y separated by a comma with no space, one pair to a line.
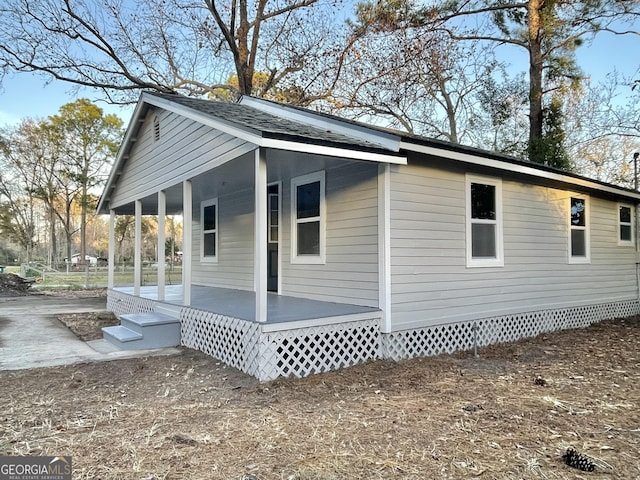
295,352
300,352
305,351
229,339
121,303
430,341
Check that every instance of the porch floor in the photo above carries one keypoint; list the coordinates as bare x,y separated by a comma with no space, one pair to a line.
241,303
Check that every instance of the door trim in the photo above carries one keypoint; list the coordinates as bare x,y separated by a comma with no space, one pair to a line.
279,242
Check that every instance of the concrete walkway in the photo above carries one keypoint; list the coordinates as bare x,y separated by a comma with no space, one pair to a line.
31,336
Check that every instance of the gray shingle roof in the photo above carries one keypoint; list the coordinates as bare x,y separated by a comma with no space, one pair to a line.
270,126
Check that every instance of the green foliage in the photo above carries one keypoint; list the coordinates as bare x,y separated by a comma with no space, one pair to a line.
549,149
50,168
90,141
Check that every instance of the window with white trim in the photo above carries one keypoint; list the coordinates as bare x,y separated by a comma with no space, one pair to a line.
484,222
579,241
273,220
625,225
209,230
308,218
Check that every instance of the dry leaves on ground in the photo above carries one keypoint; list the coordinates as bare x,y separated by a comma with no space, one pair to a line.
511,413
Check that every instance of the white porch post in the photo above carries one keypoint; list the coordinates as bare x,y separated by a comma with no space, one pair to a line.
384,244
111,256
162,213
260,235
187,234
137,249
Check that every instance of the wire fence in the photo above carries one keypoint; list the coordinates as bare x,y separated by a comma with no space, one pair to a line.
93,276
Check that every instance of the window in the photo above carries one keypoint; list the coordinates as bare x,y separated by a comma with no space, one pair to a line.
273,215
209,238
625,225
308,219
484,222
579,249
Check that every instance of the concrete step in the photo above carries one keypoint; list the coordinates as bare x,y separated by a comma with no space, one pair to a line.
139,322
145,330
121,337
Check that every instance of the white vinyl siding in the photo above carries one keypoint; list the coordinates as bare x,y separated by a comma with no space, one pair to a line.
234,268
431,284
350,271
184,150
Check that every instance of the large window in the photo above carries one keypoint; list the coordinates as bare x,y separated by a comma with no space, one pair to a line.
209,236
308,219
484,222
625,225
579,248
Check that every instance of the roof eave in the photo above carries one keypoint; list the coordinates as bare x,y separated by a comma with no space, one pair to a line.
129,138
519,168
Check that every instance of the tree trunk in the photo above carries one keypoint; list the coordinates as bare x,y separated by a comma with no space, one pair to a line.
244,69
535,75
68,232
52,236
83,224
451,112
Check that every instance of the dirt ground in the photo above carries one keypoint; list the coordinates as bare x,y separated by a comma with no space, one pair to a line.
510,413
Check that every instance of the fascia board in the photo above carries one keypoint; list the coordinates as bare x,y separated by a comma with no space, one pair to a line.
132,130
517,168
332,151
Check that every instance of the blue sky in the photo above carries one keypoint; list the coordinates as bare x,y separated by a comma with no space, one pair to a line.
27,95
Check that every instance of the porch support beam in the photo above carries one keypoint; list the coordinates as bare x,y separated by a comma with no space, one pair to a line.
137,249
162,213
384,245
260,235
111,256
187,243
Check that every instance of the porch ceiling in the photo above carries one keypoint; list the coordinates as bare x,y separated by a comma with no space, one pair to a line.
150,203
232,176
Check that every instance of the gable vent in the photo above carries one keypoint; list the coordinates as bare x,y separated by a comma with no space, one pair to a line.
156,128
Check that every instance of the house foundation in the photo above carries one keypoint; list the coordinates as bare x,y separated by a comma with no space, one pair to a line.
272,350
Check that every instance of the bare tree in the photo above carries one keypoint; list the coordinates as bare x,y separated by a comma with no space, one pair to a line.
423,82
87,141
603,129
20,162
548,31
186,46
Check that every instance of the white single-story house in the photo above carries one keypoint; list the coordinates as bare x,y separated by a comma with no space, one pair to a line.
313,243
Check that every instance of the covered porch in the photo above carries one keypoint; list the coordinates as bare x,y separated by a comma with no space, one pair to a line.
299,338
241,304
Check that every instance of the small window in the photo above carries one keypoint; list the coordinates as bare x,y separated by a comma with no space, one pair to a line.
209,237
625,225
484,222
156,128
308,219
579,248
273,216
